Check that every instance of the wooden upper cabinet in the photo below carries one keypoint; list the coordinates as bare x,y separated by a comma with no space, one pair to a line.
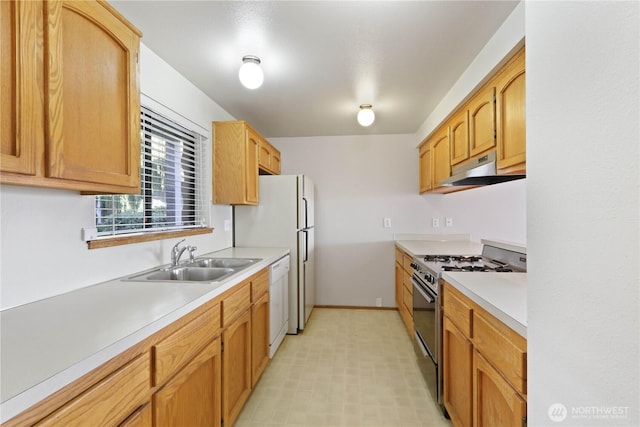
93,102
459,137
268,158
511,122
482,121
21,93
440,156
83,132
239,155
426,170
251,172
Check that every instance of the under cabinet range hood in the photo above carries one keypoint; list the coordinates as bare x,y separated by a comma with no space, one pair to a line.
481,170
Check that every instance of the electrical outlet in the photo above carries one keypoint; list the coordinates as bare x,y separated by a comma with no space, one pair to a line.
448,221
435,222
386,222
378,302
227,225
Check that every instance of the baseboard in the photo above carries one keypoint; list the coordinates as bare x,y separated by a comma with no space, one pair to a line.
355,307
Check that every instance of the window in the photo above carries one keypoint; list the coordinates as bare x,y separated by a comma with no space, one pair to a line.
171,179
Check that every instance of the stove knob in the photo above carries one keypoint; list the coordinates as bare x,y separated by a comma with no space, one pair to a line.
414,265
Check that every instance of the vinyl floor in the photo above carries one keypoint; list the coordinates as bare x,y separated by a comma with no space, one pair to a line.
349,368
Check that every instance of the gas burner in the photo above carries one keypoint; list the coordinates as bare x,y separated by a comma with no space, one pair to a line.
437,258
472,258
484,268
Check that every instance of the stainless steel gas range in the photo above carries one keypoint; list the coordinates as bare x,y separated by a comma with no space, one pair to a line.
427,306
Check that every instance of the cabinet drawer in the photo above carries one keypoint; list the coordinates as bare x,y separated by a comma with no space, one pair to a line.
406,281
399,254
459,311
407,298
179,347
503,348
236,303
406,263
259,285
110,401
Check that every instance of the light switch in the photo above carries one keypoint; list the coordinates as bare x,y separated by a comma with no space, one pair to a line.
448,221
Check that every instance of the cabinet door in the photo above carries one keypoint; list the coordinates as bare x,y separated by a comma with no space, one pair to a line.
426,179
440,157
110,401
457,374
264,155
93,101
259,338
21,96
251,168
511,120
459,132
141,418
192,396
495,402
399,286
236,367
482,121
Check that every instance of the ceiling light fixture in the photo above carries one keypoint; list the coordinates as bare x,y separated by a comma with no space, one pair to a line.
366,116
250,73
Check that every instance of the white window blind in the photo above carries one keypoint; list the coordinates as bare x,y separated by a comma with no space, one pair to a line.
171,178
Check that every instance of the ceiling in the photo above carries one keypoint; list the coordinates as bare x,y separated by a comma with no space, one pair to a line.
321,59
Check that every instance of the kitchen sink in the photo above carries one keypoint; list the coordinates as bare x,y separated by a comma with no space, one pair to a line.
191,274
237,263
198,270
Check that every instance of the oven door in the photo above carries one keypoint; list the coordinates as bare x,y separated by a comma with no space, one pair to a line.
425,317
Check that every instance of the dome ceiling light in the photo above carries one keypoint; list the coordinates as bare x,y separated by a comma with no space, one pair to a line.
366,116
250,74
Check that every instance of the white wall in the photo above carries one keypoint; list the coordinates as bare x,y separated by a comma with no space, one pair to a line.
583,210
41,251
506,41
362,179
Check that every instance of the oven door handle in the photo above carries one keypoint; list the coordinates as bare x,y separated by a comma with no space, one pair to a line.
430,299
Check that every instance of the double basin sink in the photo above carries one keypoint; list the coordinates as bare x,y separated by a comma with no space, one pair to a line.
199,270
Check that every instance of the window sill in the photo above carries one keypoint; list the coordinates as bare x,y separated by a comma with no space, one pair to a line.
147,237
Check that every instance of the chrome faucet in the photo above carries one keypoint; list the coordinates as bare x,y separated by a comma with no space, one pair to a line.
177,251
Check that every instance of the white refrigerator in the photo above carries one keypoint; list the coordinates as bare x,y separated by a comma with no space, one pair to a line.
284,218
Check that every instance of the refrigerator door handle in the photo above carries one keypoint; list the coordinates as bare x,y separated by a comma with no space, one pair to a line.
305,256
306,210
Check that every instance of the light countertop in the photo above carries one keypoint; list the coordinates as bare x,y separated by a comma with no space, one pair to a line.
46,345
442,247
504,295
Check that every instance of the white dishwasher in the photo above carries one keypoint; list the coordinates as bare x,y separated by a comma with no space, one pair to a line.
279,303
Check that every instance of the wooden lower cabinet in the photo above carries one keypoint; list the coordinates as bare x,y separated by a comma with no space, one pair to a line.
141,418
197,371
495,402
110,401
404,288
236,367
259,337
457,370
193,396
484,365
